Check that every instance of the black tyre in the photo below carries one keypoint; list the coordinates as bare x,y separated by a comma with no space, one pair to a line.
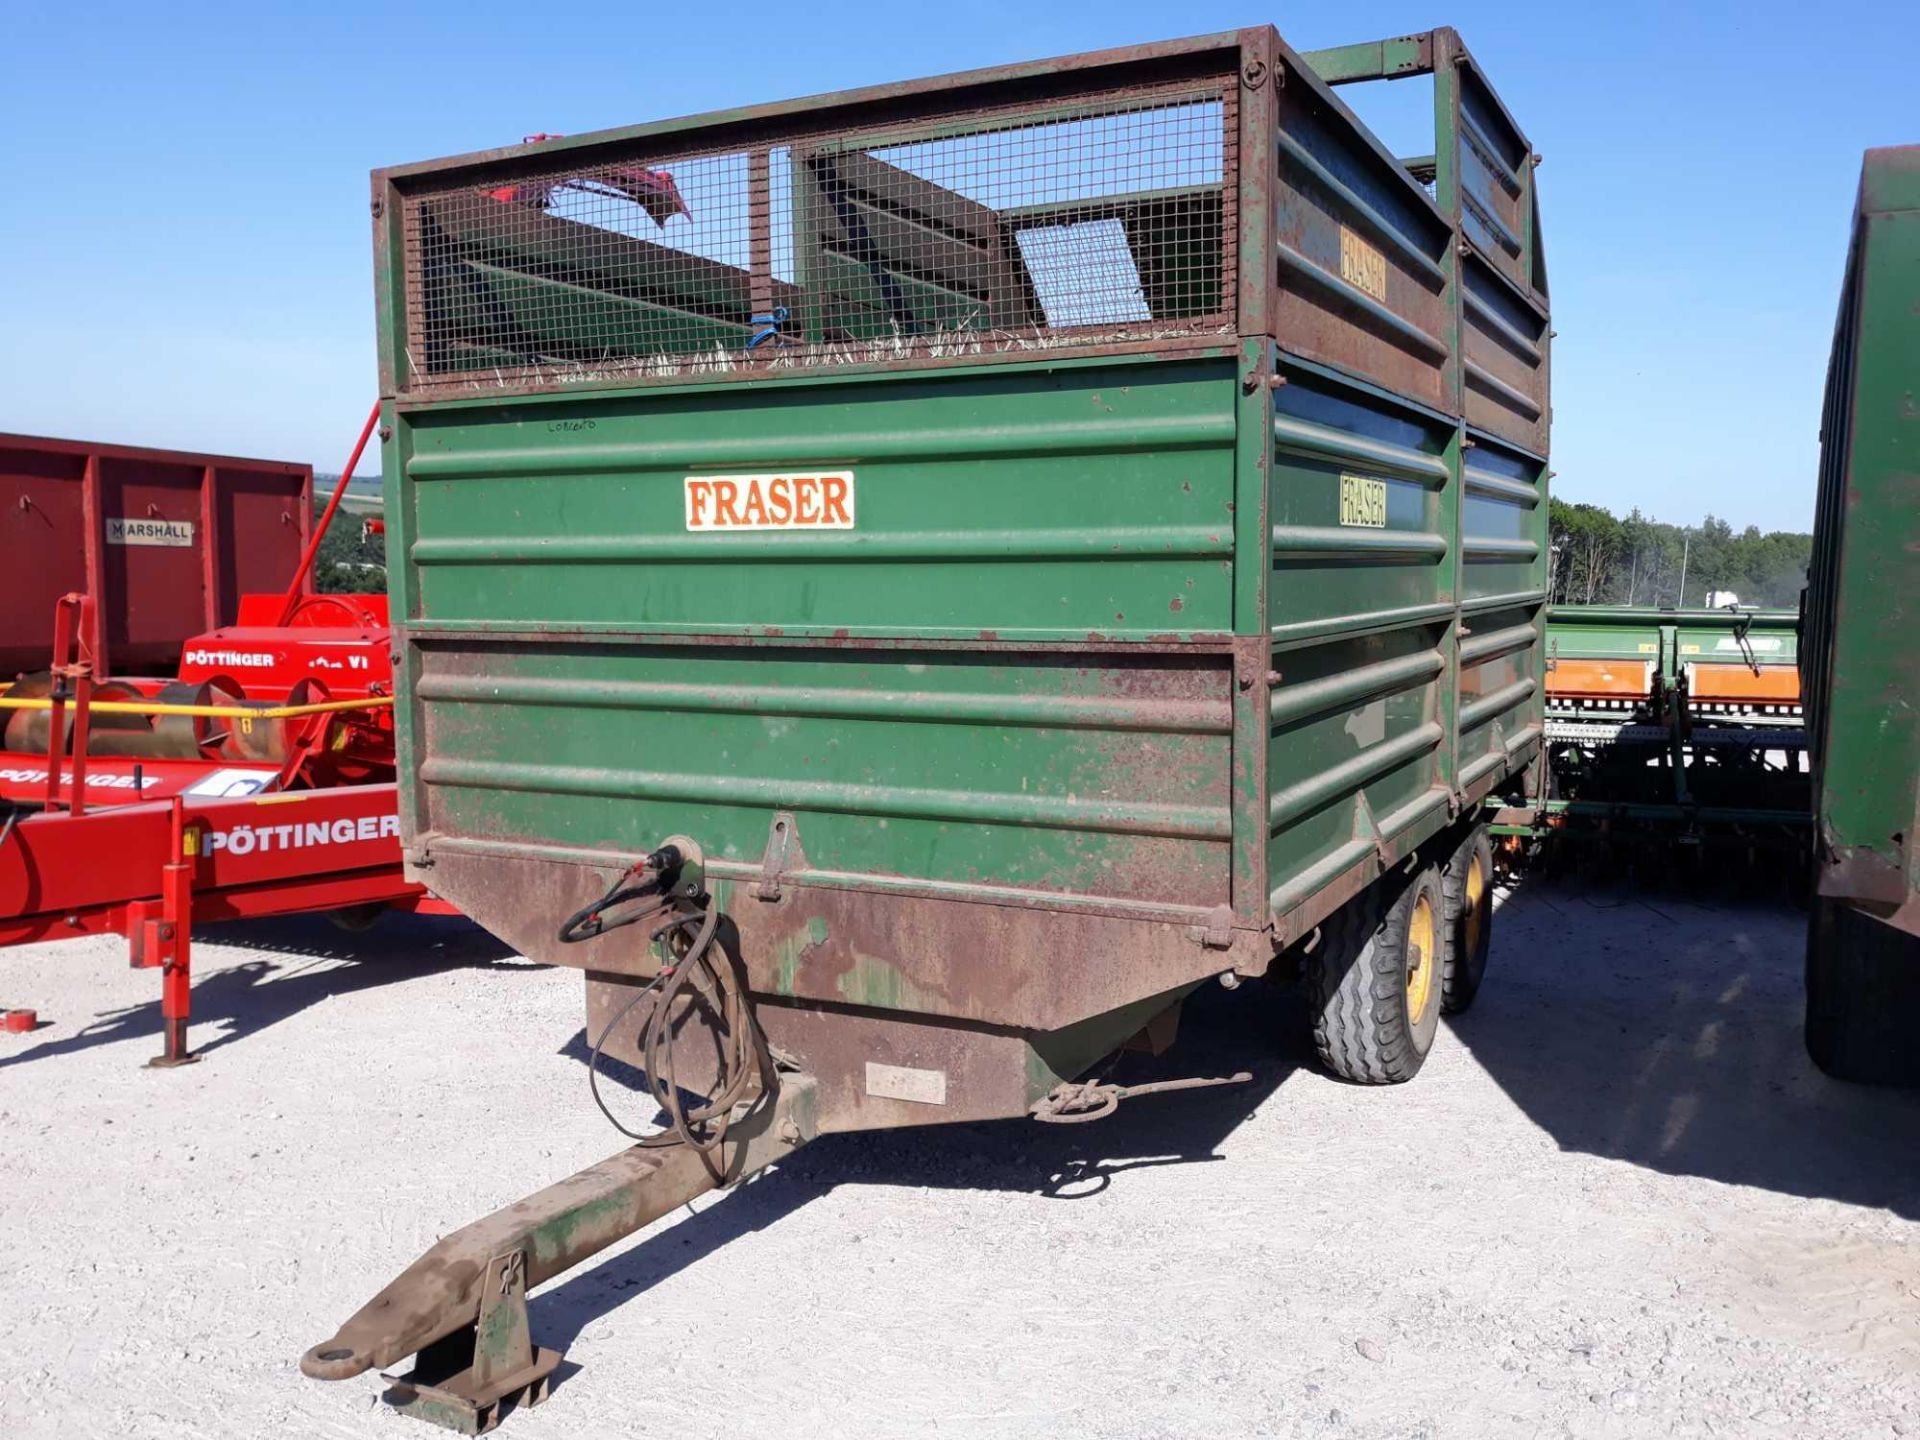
1466,892
1863,987
1375,986
356,918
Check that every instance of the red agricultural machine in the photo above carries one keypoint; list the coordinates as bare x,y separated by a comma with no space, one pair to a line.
251,777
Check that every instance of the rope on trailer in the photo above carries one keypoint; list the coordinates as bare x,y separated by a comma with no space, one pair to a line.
1077,1102
694,971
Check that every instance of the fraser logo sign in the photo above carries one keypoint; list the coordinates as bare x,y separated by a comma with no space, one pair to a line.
812,500
1363,501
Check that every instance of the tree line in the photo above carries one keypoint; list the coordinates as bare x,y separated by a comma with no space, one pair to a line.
1601,559
350,561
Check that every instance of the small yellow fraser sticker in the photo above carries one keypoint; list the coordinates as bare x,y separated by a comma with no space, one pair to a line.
1363,501
1362,265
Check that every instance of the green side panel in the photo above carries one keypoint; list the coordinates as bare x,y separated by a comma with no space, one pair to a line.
1673,637
1084,774
1503,585
1769,637
1357,726
1860,668
1068,502
1494,159
1503,528
1326,574
1360,252
1504,343
1603,632
1362,614
1116,639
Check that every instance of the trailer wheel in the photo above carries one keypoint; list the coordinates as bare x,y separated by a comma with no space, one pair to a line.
1863,985
355,919
1376,985
1466,890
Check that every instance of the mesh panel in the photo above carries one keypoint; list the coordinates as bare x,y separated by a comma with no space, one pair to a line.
1093,225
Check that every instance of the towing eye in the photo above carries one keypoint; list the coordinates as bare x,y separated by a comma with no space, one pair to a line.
461,1308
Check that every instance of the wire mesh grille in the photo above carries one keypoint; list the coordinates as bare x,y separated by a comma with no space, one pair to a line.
1097,224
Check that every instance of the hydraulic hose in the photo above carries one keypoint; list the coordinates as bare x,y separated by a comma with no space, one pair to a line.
695,971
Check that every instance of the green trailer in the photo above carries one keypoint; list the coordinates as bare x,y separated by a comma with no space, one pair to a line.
962,564
1860,666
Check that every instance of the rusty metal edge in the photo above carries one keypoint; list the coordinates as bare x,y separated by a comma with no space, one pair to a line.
1202,642
745,872
897,99
10,440
1860,875
1219,343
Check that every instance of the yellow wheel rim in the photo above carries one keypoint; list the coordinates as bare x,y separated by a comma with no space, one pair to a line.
1422,959
1476,906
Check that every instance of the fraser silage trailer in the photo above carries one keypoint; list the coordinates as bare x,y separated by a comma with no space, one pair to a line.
1859,663
901,588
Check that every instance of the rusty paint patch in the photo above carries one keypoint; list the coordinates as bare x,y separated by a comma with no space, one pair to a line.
790,951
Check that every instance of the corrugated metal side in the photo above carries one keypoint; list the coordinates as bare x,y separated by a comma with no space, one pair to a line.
1503,593
260,524
1495,178
1076,502
154,595
1081,775
1503,528
1361,620
1012,683
43,533
1504,357
1861,673
1361,251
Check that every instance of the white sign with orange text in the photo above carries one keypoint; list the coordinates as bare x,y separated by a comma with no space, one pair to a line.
806,500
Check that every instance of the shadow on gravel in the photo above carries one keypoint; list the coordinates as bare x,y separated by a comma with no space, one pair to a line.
1219,1034
1649,1028
239,1001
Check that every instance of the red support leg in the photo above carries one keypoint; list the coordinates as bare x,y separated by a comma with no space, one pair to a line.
73,666
168,941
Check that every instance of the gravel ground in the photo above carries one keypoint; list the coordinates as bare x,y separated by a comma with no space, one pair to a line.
1617,1202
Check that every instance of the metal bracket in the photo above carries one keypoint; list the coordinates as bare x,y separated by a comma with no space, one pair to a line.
468,1380
1217,933
783,848
1365,827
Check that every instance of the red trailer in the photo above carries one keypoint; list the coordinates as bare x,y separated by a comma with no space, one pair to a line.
251,775
165,541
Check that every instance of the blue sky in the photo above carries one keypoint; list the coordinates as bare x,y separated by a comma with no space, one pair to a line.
185,257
